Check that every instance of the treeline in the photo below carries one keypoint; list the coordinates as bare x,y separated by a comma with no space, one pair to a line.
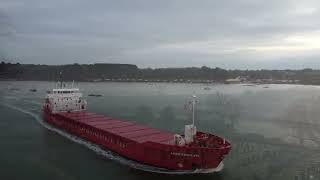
77,72
128,72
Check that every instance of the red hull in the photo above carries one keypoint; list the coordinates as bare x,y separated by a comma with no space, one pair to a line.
142,144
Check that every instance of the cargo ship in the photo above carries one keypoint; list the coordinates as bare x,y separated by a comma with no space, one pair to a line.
193,151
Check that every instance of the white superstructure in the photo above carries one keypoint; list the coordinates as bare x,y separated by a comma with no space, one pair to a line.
65,100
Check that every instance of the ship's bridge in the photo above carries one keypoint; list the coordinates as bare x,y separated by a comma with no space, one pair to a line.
65,99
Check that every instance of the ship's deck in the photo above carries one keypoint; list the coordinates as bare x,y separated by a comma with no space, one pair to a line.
129,130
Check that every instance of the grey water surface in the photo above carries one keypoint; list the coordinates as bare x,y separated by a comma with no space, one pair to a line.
274,129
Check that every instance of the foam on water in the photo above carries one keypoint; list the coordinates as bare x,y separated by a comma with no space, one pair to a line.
107,154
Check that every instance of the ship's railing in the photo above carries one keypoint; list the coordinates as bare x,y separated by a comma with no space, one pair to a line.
206,140
65,95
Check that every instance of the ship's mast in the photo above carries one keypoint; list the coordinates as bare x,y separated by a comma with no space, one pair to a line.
193,107
190,130
60,79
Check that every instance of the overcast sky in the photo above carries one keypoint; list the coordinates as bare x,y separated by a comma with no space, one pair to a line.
245,34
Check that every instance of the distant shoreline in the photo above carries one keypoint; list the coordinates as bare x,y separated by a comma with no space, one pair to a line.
150,82
131,73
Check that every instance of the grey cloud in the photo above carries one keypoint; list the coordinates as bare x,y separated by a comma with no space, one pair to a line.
125,31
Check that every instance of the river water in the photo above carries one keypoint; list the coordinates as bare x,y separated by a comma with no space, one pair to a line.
273,129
